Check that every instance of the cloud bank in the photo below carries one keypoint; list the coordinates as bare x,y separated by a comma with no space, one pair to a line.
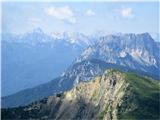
62,13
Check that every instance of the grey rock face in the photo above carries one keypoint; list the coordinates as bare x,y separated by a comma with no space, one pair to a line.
137,52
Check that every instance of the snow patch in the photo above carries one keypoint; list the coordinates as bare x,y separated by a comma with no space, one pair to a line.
122,54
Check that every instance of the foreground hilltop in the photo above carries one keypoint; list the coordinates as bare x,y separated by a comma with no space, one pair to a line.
113,95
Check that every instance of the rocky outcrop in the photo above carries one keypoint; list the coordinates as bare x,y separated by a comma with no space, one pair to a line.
104,92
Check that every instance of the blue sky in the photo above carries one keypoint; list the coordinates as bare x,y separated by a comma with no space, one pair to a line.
85,17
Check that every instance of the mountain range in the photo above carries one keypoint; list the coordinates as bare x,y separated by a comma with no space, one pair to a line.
137,53
34,58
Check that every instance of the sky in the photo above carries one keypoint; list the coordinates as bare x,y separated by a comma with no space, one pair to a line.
85,17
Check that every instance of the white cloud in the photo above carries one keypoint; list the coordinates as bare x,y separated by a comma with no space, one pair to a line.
90,13
127,12
62,13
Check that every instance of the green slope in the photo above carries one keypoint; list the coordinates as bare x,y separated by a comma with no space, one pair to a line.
142,98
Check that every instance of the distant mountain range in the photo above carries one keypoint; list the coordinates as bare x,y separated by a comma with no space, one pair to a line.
137,53
35,57
113,95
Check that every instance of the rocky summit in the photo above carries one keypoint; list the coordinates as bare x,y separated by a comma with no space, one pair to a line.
111,96
135,52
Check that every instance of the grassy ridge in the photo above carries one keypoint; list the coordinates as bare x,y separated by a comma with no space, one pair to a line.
142,98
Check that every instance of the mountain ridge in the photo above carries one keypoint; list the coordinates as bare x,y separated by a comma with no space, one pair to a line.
134,51
113,95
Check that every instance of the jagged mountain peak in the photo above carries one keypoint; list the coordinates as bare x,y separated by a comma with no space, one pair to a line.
135,51
126,37
38,35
